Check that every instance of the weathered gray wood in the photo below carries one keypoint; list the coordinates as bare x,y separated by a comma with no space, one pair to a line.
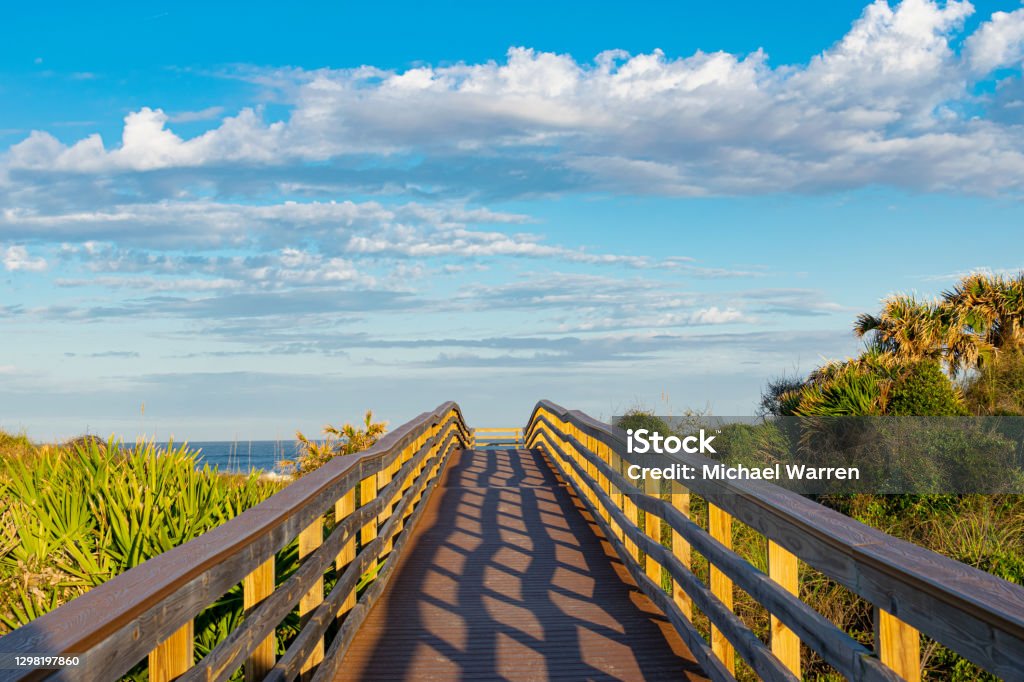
753,650
972,612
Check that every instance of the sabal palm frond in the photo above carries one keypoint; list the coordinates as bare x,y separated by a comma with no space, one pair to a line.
346,440
993,306
906,327
947,330
866,323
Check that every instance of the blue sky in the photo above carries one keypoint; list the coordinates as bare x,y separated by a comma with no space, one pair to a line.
254,218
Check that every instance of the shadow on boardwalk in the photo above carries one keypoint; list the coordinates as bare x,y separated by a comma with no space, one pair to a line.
507,580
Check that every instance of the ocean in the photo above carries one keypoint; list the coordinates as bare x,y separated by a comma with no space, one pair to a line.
244,455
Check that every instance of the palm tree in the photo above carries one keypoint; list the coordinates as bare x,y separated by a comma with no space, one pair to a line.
355,439
991,306
346,440
912,331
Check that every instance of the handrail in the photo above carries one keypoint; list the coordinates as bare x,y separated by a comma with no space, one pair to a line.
913,589
148,610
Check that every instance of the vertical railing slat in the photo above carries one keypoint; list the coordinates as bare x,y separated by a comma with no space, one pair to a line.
367,492
344,507
309,540
173,656
652,527
898,645
256,587
681,548
617,496
720,528
783,568
629,509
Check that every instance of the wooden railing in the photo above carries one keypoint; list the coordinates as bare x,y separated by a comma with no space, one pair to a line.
498,437
372,499
912,589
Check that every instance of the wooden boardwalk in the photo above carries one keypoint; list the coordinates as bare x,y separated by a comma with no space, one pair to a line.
507,578
491,568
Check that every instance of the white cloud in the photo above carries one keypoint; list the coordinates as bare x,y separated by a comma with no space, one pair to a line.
460,242
212,224
881,106
997,43
714,315
147,144
355,230
18,258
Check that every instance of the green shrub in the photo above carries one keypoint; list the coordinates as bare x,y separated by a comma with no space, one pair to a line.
780,397
925,391
636,418
851,391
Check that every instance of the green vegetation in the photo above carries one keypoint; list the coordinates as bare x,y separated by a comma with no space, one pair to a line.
975,332
962,354
347,440
637,418
74,516
998,386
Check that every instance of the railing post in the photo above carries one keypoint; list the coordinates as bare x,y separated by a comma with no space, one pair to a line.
367,493
720,528
681,549
414,474
309,540
629,509
256,587
601,450
344,507
783,568
436,466
383,478
591,468
173,656
652,527
617,496
898,645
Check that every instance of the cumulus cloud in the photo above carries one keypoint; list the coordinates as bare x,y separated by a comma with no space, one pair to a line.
997,43
18,258
147,144
883,105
